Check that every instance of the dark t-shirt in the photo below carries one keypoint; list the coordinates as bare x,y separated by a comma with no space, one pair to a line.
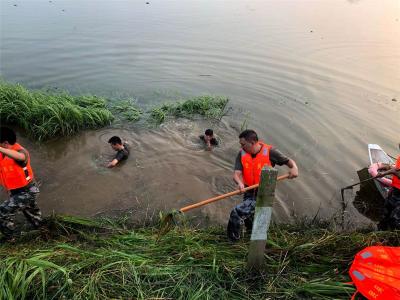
213,141
122,154
275,156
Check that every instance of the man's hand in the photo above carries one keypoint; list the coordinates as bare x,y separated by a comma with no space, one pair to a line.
380,174
238,178
241,187
293,170
113,163
293,173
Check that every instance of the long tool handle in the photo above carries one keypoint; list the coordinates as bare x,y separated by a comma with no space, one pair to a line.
362,181
220,197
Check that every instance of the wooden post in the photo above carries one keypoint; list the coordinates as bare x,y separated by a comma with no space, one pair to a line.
262,218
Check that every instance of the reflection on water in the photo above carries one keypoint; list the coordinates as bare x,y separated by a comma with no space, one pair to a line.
317,79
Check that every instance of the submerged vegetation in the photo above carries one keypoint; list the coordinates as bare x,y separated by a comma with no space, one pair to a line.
45,115
212,107
127,110
87,259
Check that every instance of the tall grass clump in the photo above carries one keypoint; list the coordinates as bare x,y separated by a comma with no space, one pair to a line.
212,107
47,115
89,259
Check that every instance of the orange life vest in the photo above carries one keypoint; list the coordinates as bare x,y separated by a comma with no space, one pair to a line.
376,273
395,179
252,166
14,176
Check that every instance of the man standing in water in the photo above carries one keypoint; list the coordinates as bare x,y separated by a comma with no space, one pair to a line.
391,218
253,156
18,180
122,151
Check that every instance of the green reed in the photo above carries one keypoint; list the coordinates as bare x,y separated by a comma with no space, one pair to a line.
127,110
211,107
46,115
101,259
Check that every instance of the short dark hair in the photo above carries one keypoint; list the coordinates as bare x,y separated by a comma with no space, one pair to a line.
115,140
249,135
209,132
7,135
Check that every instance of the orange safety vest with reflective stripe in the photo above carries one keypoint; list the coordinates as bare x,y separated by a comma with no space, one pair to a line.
252,166
395,179
14,176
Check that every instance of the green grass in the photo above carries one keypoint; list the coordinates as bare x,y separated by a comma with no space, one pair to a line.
211,107
128,110
47,115
89,259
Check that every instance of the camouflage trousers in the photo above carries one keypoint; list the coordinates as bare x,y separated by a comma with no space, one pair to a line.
24,201
243,213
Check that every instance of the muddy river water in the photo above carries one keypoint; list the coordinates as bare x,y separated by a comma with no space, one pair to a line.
318,79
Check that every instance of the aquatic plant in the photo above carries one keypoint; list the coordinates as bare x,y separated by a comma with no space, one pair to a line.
128,110
45,115
212,107
101,259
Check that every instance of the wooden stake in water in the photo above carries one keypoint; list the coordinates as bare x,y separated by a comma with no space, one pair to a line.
262,218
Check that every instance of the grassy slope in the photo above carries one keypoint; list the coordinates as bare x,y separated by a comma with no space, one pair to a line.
86,259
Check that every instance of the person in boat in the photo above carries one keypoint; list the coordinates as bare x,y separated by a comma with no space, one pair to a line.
391,218
121,148
18,180
209,139
252,157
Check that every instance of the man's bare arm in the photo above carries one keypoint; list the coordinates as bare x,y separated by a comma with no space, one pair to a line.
238,177
13,154
113,163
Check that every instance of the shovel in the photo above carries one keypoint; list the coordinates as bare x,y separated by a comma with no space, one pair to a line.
169,219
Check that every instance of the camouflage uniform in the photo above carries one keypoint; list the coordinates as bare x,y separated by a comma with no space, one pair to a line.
243,213
24,200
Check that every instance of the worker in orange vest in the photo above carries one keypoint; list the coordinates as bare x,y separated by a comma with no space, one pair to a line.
250,160
18,180
391,219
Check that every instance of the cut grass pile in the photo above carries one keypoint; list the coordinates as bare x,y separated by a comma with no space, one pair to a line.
87,259
211,107
46,115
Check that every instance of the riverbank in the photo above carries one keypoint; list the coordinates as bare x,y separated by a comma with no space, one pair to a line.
102,259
